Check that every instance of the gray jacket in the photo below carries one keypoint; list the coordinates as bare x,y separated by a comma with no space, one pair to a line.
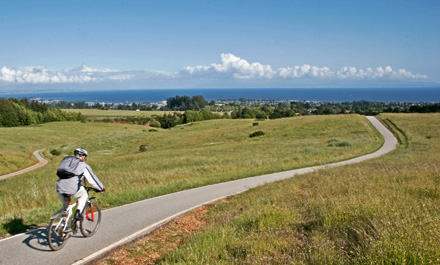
70,186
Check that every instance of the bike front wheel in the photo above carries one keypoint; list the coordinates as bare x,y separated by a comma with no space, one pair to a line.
92,218
57,232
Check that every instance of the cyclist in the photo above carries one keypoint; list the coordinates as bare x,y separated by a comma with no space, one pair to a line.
70,180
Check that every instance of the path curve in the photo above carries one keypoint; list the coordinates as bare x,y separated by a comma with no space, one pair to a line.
41,162
121,225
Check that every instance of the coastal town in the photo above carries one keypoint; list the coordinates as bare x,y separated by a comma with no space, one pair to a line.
229,105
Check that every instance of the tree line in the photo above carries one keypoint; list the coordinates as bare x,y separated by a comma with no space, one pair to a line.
14,112
170,120
290,109
283,108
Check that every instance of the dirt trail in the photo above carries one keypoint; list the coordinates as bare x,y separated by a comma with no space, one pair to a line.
41,162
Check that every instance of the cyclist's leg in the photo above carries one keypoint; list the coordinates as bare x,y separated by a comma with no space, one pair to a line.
82,197
64,198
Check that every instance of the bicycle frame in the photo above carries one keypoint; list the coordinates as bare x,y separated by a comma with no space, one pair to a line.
69,211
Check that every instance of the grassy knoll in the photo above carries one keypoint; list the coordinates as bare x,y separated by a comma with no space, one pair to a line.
180,158
382,211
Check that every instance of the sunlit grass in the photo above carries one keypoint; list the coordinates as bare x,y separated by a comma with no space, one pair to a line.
184,157
382,211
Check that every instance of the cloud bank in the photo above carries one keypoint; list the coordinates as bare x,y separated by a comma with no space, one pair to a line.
230,68
235,67
42,75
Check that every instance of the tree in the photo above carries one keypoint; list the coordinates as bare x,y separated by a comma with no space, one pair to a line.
9,117
198,102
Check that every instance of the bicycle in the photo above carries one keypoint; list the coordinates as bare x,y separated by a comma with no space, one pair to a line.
63,225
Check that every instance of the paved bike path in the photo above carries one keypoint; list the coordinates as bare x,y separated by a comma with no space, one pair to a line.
125,223
41,162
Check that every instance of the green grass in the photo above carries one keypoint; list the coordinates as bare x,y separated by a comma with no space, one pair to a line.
180,158
18,143
102,114
382,211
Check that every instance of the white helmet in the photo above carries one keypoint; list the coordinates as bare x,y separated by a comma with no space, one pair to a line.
80,151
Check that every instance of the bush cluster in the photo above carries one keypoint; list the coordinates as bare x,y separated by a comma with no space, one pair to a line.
55,152
186,103
171,120
334,142
257,133
143,148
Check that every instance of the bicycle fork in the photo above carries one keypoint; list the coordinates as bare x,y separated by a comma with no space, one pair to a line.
92,215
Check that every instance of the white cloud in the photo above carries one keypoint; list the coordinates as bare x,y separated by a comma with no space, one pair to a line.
120,77
304,71
40,74
230,68
235,67
85,69
377,73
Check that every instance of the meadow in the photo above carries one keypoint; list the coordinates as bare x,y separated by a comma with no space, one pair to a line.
382,211
170,160
94,114
17,144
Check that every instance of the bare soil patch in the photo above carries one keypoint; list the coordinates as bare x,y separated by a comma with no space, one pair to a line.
150,248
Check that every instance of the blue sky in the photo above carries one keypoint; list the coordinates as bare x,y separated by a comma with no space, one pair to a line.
95,45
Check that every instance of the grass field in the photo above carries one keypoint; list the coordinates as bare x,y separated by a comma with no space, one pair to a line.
382,211
180,158
102,114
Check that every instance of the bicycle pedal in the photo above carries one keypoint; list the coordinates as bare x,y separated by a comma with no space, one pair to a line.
79,216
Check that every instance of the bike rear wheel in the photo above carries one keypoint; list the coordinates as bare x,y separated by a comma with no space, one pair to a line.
56,232
92,218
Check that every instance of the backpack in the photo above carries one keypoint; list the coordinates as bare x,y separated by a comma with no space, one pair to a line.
67,168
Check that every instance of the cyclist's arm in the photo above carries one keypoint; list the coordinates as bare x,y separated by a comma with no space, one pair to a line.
93,179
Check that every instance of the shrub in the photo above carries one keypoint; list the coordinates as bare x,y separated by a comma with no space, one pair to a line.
257,133
255,124
143,148
343,144
55,152
155,124
338,143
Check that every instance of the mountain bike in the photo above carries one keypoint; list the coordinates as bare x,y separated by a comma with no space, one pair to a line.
63,225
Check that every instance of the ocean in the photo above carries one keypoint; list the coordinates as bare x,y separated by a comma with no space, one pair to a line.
410,95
